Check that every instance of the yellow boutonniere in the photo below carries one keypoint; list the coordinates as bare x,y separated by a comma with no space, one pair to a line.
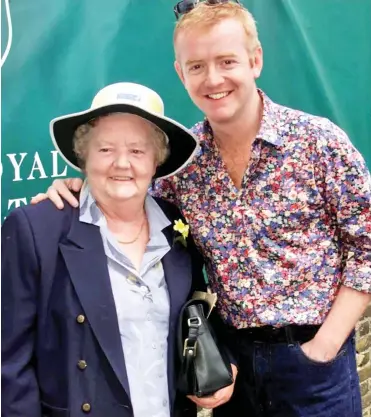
183,229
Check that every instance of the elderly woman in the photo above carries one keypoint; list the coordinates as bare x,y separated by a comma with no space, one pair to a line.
91,295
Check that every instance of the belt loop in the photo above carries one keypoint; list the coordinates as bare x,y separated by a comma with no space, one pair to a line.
289,335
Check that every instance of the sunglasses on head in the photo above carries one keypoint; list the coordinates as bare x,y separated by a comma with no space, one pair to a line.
186,6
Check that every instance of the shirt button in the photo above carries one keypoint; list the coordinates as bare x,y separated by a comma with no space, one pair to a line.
80,319
82,364
86,407
164,403
148,317
154,346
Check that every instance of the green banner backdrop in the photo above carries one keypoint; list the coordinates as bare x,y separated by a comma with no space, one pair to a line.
317,58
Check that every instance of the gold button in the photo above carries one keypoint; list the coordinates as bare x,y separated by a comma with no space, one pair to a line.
86,407
82,364
80,318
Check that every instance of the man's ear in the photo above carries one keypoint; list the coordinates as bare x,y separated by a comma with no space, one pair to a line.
179,71
257,62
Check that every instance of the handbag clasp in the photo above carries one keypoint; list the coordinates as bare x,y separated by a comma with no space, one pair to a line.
190,346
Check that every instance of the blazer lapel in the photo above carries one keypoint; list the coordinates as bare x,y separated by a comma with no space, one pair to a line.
87,266
178,275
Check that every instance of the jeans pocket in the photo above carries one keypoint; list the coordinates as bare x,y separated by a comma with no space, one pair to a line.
303,356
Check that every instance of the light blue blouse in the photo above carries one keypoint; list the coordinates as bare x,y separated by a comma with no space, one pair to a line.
142,306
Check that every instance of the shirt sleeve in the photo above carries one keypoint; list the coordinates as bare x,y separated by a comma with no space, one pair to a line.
347,190
164,188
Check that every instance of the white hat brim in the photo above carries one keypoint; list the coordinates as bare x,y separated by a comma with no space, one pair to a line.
183,144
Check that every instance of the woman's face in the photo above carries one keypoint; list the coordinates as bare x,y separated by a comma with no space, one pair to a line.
121,158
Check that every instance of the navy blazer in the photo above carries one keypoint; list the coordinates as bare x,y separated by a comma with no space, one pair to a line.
61,348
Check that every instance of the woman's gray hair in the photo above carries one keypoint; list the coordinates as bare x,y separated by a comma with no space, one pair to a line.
82,136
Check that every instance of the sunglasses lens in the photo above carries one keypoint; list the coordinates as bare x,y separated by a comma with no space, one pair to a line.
185,6
217,1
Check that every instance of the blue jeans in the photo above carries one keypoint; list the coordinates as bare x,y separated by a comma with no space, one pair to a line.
279,380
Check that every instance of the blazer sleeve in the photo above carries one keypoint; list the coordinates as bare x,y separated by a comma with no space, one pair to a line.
19,288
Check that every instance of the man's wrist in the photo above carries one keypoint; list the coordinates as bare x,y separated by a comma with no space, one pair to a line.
327,342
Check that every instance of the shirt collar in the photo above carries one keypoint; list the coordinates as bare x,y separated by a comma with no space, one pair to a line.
157,219
91,213
269,128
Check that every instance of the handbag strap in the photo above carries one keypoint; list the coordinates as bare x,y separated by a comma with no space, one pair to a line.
190,347
190,343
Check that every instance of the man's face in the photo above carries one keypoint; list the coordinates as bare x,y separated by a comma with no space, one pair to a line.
217,71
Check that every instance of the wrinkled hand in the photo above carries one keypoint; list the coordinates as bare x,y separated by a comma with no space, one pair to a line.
219,397
60,188
319,350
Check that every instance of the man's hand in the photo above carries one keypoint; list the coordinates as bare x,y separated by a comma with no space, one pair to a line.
320,350
60,188
219,397
347,309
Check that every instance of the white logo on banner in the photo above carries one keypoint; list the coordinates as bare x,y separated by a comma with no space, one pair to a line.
10,33
36,172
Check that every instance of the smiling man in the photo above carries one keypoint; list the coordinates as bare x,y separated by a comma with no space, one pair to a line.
282,215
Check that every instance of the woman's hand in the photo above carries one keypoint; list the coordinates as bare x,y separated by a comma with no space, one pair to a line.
61,188
219,397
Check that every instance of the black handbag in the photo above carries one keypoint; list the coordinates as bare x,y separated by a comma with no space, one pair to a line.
205,367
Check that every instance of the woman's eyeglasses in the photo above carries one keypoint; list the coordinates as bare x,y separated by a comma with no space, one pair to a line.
186,6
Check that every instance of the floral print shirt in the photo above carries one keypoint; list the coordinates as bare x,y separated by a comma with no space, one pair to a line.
278,249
